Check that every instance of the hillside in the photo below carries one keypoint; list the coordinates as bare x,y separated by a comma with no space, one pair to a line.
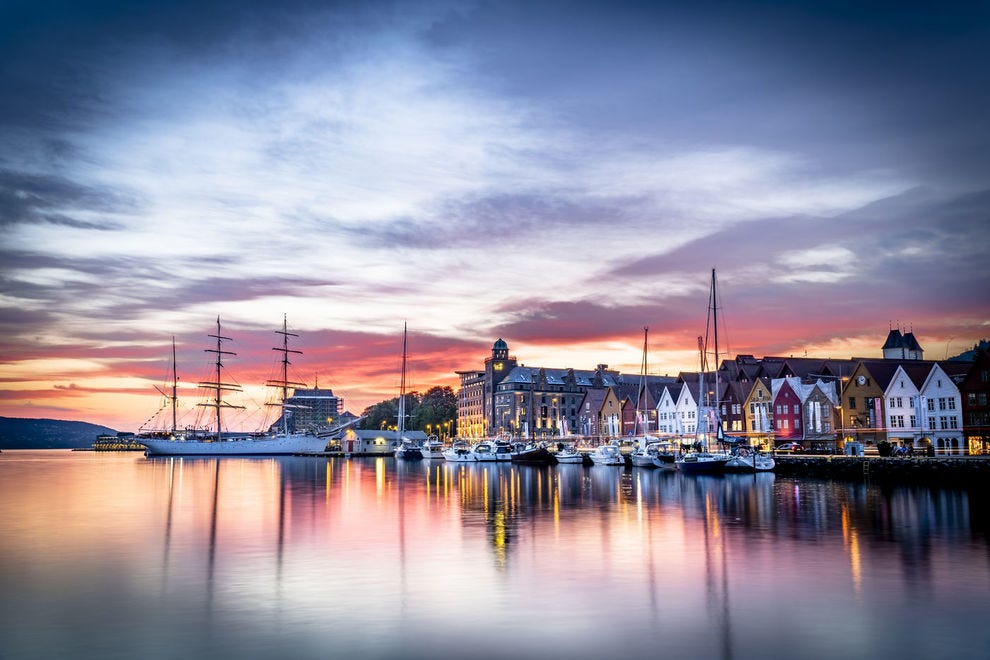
21,433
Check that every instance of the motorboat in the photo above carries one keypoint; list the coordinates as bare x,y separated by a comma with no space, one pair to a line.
702,462
531,453
607,455
644,455
408,450
502,450
432,448
747,461
484,451
459,452
569,455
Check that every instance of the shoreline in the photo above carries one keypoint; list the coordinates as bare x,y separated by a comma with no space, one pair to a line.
967,471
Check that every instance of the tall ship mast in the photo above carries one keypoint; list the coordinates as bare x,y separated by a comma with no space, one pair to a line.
217,386
284,383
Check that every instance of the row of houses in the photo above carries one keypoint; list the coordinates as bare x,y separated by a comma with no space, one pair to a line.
820,403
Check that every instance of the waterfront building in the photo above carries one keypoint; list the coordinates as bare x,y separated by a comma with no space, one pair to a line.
941,407
974,390
373,442
611,414
904,405
314,409
786,397
732,401
590,413
758,409
669,420
689,398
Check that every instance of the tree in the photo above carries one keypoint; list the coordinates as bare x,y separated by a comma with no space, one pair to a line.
434,411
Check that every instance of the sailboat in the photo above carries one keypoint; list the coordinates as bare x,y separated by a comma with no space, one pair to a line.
217,444
407,449
705,462
645,454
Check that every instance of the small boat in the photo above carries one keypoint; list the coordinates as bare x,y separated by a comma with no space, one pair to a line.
408,450
747,461
702,462
569,455
432,448
607,455
531,453
459,452
645,455
502,450
483,451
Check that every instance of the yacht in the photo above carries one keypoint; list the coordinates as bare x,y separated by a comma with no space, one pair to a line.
607,455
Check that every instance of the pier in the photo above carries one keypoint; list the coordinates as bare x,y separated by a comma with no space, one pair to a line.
958,471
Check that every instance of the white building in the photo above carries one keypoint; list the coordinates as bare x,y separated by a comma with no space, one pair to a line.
940,412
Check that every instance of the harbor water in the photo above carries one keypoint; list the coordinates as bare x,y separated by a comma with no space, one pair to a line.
115,555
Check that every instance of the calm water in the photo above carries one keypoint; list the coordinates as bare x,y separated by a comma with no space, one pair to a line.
118,555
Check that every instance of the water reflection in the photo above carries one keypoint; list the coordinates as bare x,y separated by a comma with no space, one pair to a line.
266,556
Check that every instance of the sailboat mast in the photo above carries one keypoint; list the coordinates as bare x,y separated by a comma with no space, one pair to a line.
642,386
714,305
401,425
175,385
284,384
217,385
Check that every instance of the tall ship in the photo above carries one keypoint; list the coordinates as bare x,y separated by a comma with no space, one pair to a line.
218,443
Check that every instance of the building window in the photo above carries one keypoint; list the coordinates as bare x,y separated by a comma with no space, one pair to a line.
852,403
971,398
797,409
941,403
931,405
797,423
943,422
953,423
914,421
952,403
931,423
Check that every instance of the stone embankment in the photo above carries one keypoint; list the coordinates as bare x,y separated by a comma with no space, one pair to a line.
961,471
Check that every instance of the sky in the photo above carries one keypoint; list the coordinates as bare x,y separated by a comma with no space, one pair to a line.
558,174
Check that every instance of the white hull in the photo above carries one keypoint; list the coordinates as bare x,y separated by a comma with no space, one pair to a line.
292,443
745,464
569,455
434,454
607,455
642,460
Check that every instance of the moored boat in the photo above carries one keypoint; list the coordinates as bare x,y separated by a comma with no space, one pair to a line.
408,450
220,444
483,451
747,461
702,462
502,450
531,453
607,455
432,448
569,455
459,452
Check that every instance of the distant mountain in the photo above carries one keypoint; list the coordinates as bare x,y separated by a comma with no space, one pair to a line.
20,433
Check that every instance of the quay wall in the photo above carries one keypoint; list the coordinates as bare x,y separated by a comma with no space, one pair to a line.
963,472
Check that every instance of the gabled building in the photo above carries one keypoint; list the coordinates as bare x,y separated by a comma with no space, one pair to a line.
941,409
758,409
787,409
669,421
903,405
974,390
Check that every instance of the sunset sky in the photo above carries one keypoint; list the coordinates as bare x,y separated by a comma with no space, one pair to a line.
558,174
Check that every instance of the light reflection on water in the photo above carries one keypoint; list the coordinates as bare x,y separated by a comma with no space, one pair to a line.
117,555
